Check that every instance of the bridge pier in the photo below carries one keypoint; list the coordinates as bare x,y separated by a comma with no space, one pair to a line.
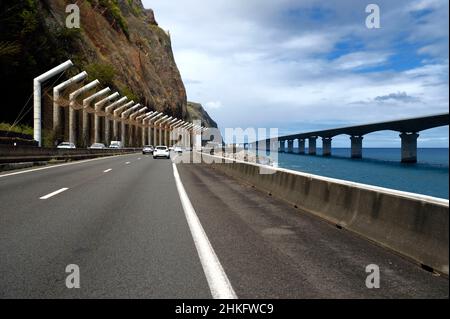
301,146
290,146
409,147
282,146
326,146
356,146
312,148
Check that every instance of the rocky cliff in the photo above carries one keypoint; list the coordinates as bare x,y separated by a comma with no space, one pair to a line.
118,42
195,111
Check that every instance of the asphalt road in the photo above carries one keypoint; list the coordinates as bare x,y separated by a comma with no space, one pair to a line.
121,220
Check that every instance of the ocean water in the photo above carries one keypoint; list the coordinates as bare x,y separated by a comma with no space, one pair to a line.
379,167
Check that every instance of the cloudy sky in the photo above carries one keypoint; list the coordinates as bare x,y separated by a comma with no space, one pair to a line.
302,65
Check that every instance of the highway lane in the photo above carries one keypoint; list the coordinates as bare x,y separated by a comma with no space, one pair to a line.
270,249
124,228
121,221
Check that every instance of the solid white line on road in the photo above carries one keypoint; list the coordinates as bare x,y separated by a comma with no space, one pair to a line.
107,170
59,165
218,281
53,193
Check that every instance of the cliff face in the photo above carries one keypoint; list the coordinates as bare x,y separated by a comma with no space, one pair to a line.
119,43
195,111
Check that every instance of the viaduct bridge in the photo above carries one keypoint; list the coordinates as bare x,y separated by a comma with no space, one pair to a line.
408,129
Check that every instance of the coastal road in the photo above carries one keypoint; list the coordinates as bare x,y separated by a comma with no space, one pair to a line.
133,233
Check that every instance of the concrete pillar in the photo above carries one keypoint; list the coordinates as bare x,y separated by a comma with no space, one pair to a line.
72,120
326,146
155,133
291,146
356,146
123,131
301,146
312,149
131,134
85,128
150,139
97,128
282,146
56,115
166,142
409,147
160,135
107,132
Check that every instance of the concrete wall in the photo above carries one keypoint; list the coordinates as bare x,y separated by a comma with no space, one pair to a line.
413,225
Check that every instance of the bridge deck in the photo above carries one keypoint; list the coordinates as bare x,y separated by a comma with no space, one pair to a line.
416,124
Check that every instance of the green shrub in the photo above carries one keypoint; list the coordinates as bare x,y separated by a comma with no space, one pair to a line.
114,14
103,72
21,128
125,91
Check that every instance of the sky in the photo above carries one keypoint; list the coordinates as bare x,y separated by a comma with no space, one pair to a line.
303,65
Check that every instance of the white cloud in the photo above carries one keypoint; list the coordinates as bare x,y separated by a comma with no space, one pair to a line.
268,64
358,60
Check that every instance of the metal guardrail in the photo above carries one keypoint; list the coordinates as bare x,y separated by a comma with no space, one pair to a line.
16,154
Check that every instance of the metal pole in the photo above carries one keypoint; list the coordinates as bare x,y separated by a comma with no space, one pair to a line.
86,110
56,94
72,97
37,107
97,108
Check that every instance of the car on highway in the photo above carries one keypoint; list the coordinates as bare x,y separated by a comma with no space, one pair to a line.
161,151
97,146
178,149
147,149
66,145
115,144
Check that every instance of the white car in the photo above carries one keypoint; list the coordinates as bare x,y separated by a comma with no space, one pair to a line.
97,146
178,149
115,144
161,151
147,149
66,145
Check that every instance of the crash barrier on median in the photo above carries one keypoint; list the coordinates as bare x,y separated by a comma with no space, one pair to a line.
413,225
15,154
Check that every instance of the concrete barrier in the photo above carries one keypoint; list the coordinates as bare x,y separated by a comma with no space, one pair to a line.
415,226
15,154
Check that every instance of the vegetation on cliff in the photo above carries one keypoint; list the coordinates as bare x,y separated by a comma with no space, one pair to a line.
119,43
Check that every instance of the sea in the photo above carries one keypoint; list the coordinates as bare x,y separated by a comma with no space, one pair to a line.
379,167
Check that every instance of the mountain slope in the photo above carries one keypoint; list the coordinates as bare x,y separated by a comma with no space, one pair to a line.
119,43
